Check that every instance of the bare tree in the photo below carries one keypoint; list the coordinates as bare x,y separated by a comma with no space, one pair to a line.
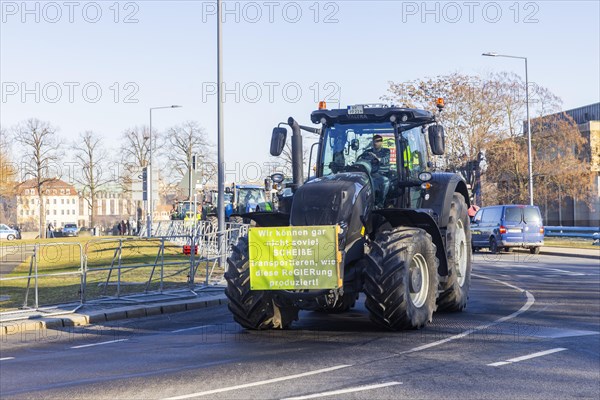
93,172
185,141
41,148
471,116
8,175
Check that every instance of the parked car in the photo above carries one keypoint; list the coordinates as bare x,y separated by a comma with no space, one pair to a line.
8,233
70,230
507,226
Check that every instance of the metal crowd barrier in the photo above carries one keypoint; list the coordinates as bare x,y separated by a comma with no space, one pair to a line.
129,263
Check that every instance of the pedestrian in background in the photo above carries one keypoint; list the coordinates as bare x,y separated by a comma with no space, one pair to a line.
128,226
50,230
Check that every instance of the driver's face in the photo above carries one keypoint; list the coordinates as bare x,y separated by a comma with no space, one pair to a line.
377,144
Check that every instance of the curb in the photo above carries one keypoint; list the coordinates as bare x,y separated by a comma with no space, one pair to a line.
108,315
570,255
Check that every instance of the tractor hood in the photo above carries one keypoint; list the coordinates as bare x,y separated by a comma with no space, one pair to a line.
339,199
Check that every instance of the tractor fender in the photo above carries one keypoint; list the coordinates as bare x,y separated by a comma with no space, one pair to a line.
443,186
419,219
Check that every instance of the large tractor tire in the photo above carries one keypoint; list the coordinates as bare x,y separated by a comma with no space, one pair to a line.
455,291
401,279
253,309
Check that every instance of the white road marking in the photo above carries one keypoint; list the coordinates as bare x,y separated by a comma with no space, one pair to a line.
527,357
556,333
258,383
525,307
98,344
342,391
6,358
562,271
530,301
191,329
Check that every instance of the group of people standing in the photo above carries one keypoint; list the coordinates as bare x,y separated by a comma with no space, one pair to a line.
124,228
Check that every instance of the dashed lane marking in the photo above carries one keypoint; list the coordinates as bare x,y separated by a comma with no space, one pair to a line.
343,391
191,329
527,357
258,383
98,344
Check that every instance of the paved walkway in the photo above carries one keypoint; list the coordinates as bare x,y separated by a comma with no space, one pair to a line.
110,309
571,252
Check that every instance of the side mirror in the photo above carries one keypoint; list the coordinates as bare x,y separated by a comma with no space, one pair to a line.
354,144
278,141
436,139
277,177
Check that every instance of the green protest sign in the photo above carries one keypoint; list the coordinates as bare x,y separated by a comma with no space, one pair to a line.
294,257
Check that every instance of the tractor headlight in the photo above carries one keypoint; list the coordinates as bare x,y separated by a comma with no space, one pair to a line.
425,176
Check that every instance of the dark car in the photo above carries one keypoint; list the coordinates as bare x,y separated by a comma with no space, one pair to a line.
508,226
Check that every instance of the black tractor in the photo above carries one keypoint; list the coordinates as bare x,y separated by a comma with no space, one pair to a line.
403,230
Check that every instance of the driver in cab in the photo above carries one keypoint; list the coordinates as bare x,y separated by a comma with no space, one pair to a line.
380,162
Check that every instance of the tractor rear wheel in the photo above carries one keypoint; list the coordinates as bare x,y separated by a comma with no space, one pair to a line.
401,278
455,291
253,309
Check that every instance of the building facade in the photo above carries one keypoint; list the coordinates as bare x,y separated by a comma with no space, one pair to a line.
60,204
574,212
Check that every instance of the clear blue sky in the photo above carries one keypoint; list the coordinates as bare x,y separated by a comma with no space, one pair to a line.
169,55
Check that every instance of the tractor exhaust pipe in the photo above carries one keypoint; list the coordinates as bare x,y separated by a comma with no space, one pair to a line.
297,158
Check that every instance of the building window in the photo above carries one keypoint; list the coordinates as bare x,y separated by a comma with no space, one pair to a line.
62,212
47,212
62,191
73,212
68,212
32,201
47,201
73,201
27,212
22,212
62,201
54,212
54,201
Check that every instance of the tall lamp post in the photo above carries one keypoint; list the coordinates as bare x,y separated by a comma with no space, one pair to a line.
150,208
529,160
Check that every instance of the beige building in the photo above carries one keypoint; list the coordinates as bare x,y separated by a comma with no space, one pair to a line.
60,204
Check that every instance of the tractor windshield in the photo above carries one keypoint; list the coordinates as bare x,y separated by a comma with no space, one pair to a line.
250,197
374,143
345,144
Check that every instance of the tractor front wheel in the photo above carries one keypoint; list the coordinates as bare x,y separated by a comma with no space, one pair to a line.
401,278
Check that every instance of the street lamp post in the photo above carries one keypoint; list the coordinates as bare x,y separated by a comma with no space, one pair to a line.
149,205
529,159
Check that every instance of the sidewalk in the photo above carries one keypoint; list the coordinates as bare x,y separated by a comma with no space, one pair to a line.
571,252
110,309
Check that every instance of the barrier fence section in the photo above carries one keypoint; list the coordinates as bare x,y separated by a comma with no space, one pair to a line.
584,232
179,256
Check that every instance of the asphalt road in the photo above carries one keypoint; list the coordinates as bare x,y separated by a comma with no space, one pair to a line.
531,330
